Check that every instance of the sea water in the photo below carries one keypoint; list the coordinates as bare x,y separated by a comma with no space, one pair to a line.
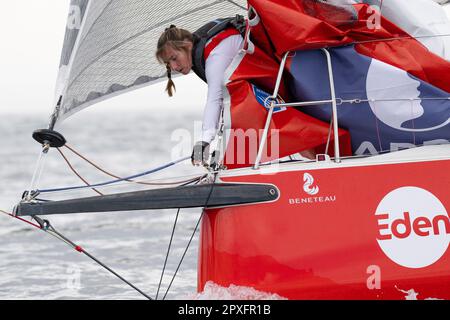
35,265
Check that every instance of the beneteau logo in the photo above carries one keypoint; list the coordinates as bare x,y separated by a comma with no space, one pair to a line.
413,227
308,185
312,189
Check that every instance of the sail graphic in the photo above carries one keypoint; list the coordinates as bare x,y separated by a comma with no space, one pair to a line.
384,107
109,45
392,89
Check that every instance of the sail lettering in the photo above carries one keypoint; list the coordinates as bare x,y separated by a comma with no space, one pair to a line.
74,19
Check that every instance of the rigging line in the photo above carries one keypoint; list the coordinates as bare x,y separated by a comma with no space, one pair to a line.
45,226
192,236
167,254
42,200
52,231
196,177
399,38
170,183
117,177
74,171
236,4
118,180
357,100
59,238
21,219
118,187
39,167
184,254
196,180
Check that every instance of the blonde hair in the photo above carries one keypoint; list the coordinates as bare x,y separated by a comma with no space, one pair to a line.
178,39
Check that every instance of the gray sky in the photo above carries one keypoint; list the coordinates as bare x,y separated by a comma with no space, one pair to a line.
32,34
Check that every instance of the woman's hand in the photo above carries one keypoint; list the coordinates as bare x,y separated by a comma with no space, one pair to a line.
200,153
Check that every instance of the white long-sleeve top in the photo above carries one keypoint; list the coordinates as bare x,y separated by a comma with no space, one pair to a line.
215,65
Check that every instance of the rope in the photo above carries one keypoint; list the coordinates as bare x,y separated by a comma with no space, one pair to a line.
19,218
74,171
118,180
124,186
115,176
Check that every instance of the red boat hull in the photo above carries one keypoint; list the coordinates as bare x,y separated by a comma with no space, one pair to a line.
349,232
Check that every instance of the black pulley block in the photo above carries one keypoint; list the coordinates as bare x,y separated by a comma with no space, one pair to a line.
50,137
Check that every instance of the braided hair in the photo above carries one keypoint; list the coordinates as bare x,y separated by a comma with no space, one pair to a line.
178,39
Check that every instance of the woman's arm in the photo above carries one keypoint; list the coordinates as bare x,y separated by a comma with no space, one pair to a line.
215,66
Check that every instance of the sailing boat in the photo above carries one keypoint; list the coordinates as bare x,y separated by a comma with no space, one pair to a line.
357,222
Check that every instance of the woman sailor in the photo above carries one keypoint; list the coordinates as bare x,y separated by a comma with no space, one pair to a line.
208,52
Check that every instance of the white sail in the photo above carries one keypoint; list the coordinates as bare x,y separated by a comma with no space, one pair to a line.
423,19
110,44
441,1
